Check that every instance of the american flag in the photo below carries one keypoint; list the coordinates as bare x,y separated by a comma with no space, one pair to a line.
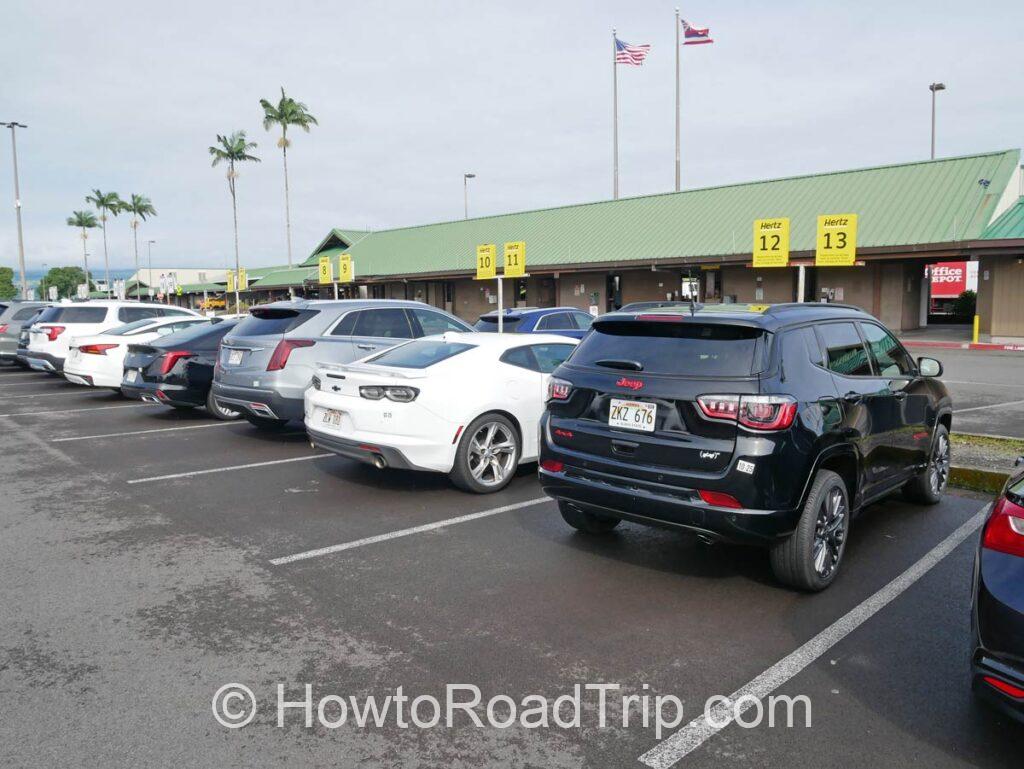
630,54
695,35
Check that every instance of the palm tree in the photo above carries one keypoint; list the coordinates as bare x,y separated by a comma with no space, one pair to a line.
139,206
231,150
105,203
85,220
287,112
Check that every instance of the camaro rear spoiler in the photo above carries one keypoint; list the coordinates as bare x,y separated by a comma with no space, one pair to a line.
365,369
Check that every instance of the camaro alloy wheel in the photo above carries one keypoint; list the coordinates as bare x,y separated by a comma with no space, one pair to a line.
829,533
938,471
492,453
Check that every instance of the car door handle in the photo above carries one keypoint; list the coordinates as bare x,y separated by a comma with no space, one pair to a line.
367,346
624,447
852,397
899,395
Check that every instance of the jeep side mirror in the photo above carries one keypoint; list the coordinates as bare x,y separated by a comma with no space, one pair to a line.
929,367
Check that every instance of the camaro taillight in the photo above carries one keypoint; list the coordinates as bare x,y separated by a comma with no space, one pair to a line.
559,389
172,358
96,349
399,394
1004,531
757,412
283,350
3,328
52,332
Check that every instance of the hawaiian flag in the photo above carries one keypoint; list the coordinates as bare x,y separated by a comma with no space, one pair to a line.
630,54
695,35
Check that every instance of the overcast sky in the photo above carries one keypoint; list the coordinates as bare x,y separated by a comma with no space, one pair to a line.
128,96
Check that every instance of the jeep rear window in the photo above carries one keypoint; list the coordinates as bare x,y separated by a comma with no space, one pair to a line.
674,348
422,354
490,323
272,321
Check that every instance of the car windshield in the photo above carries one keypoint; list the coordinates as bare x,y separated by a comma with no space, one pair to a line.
490,323
130,327
679,349
420,354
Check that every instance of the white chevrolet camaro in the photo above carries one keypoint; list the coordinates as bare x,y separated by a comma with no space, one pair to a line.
466,404
97,360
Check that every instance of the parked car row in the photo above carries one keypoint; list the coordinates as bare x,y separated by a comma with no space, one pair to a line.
762,425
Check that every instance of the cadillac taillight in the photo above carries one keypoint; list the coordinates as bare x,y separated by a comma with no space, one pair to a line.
171,359
283,350
1004,531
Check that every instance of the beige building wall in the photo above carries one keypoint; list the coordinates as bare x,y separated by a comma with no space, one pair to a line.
577,289
647,285
1006,285
777,285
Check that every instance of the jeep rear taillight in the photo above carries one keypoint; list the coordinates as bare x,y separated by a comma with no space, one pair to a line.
559,389
756,412
52,332
283,350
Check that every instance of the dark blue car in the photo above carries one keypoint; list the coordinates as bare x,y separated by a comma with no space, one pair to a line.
567,321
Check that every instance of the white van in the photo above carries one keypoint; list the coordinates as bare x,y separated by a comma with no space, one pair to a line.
51,334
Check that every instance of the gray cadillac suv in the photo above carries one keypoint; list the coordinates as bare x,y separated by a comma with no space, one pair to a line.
268,360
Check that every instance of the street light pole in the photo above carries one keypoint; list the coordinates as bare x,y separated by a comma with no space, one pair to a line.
149,249
934,87
465,193
17,206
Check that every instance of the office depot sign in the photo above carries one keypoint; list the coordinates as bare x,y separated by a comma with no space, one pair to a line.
950,279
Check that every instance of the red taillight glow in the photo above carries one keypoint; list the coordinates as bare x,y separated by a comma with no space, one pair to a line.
552,465
662,318
758,412
1004,531
559,390
96,349
52,332
171,359
283,350
3,328
719,499
1016,692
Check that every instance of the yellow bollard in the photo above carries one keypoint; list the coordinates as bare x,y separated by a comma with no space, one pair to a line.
977,324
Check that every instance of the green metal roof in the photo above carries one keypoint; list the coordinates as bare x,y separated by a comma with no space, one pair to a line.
284,278
1009,225
930,201
338,241
198,288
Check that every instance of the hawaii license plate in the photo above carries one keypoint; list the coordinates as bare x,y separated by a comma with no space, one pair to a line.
632,415
234,357
130,375
332,418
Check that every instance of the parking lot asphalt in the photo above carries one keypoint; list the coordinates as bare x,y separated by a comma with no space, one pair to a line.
149,557
987,390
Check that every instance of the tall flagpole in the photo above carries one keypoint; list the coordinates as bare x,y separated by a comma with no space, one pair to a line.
677,100
615,120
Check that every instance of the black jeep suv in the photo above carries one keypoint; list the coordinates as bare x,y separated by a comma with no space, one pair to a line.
756,424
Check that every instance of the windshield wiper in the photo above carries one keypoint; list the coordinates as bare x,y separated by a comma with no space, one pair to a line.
629,365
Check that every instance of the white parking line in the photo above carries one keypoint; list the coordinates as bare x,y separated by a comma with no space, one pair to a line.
701,729
72,411
984,384
992,406
36,384
404,532
82,391
228,469
140,432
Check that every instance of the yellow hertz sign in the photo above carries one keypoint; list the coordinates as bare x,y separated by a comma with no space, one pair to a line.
243,279
836,241
515,259
486,261
231,282
326,270
771,242
346,272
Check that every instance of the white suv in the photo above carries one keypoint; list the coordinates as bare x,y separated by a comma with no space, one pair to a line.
51,334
